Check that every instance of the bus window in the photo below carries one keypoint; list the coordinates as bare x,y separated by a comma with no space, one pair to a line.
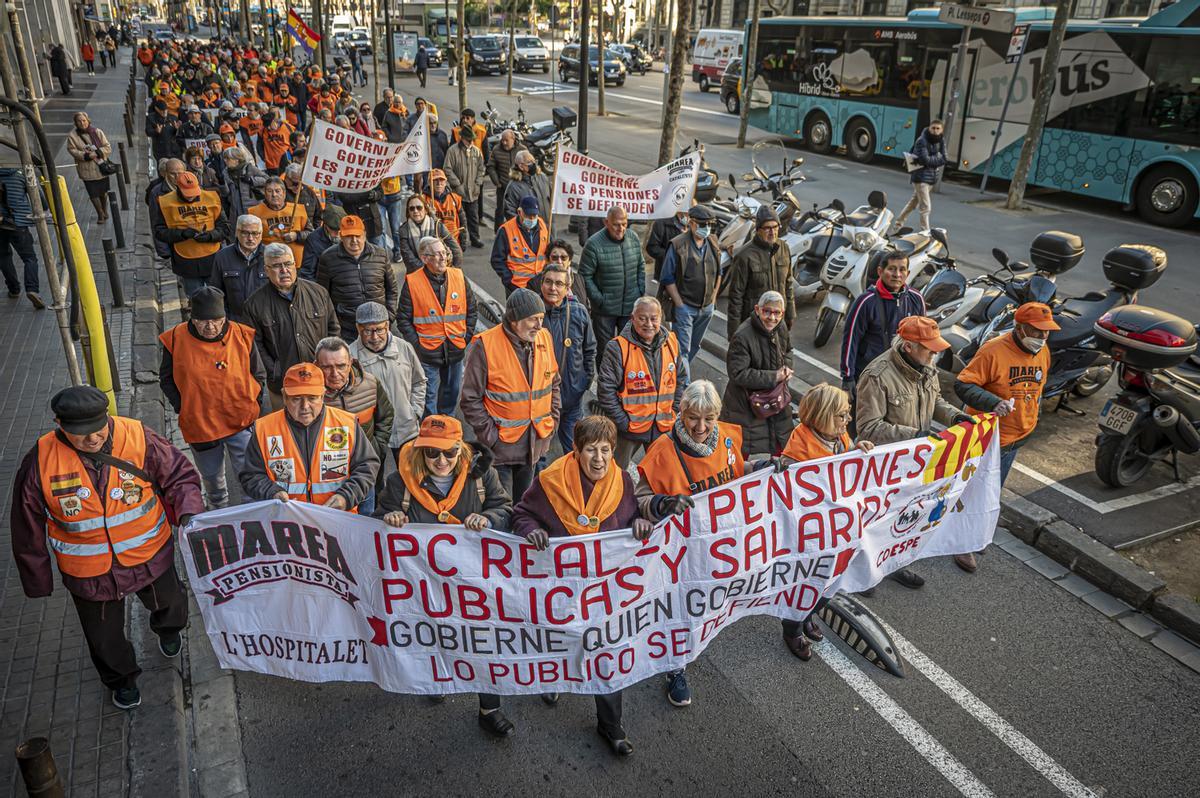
816,72
1169,110
777,60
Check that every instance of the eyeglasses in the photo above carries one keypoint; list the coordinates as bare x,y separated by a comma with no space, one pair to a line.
435,454
842,416
560,258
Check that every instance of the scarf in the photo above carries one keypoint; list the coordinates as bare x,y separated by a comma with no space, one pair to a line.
439,507
425,228
693,448
563,484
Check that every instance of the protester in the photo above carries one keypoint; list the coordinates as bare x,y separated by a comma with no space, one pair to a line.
511,390
929,153
282,221
309,452
161,128
275,143
88,145
192,222
757,396
875,315
321,239
16,220
289,316
662,232
383,105
189,382
422,224
466,121
197,164
614,271
464,170
442,479
519,249
640,380
237,269
309,200
691,277
448,207
437,316
583,493
391,206
394,122
354,272
393,362
765,264
103,492
192,128
243,181
525,180
499,171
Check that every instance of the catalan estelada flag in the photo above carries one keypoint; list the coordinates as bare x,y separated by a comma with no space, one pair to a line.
303,35
958,444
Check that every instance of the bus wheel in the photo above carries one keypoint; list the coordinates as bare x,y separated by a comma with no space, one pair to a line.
704,86
818,133
860,141
1167,196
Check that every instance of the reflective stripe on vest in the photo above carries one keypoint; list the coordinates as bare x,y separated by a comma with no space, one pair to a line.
87,529
646,400
434,322
316,480
523,263
513,401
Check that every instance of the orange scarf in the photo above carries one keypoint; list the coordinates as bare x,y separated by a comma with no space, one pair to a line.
564,489
439,508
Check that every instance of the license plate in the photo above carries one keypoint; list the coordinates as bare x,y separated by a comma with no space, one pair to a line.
1117,418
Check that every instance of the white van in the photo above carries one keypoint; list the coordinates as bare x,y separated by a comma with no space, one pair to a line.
342,23
714,50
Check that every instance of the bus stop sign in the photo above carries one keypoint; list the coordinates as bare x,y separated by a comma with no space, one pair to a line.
975,17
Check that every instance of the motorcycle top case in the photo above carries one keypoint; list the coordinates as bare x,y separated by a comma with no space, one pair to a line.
1055,252
1134,266
564,117
1145,338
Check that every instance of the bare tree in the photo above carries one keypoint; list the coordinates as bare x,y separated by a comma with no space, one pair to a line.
511,16
1041,106
679,47
600,50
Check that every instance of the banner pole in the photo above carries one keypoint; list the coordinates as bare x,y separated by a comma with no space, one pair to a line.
554,186
303,171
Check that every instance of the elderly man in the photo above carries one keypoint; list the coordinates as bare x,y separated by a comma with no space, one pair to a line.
437,316
511,390
189,381
394,363
283,221
574,339
354,272
519,249
309,452
464,170
614,271
899,396
526,181
289,315
499,170
237,269
641,378
321,239
349,388
875,315
691,277
763,265
757,363
383,105
191,221
103,492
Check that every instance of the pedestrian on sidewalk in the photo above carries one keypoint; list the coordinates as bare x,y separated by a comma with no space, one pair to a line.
929,152
208,356
60,70
88,145
691,279
16,220
88,54
110,45
519,249
422,65
103,492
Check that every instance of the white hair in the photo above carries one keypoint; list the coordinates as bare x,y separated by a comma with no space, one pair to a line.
646,300
294,170
237,153
770,298
700,396
248,220
278,251
426,242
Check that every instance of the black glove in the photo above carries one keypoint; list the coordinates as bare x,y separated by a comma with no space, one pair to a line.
674,505
186,519
961,418
188,232
206,236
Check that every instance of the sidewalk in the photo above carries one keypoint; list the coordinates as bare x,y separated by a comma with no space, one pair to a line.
48,684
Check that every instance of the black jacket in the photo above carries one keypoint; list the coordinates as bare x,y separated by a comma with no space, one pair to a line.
188,267
351,282
314,246
160,129
237,276
364,205
287,330
754,357
661,233
496,506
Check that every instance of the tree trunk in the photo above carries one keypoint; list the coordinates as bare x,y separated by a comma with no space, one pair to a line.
599,57
748,74
512,21
679,47
1041,107
462,55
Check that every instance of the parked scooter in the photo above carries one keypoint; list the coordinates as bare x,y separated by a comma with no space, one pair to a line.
707,180
811,238
740,231
847,272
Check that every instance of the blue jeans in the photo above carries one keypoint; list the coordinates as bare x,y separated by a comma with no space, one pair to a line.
393,209
193,284
22,241
443,386
567,419
211,465
1007,456
367,505
690,325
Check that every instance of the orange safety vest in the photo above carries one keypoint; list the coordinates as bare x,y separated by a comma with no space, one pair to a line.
314,482
252,126
804,445
289,104
172,100
87,530
480,135
291,218
434,321
275,144
447,210
204,369
326,101
390,186
668,470
513,401
202,214
145,56
646,404
523,263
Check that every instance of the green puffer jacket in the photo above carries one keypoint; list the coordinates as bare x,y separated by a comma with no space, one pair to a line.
614,273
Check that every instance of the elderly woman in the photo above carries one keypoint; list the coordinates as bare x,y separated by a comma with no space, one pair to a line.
88,145
243,181
824,418
758,363
422,223
195,159
582,493
442,479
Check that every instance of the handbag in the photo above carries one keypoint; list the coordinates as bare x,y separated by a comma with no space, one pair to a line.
771,402
107,167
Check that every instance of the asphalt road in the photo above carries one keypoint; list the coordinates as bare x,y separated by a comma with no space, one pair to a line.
1022,689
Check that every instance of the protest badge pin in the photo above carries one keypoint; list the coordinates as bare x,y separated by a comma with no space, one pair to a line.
594,522
583,520
632,375
84,493
641,375
71,506
454,295
567,342
116,494
443,516
124,475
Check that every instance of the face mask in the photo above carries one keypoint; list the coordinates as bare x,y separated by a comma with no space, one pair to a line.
1034,345
681,219
529,224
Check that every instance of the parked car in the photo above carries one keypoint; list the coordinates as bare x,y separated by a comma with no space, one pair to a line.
488,55
731,80
530,54
434,52
569,65
164,35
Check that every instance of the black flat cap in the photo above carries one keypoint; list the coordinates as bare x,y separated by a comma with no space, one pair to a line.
80,409
700,213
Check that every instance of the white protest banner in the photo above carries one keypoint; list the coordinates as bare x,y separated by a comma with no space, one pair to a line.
585,187
344,161
305,592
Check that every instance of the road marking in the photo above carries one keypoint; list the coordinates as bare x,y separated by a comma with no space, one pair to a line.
630,98
1071,494
807,358
1112,505
905,725
1038,759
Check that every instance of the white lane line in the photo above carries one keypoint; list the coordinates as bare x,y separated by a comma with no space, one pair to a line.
1070,493
630,98
905,725
1038,759
828,369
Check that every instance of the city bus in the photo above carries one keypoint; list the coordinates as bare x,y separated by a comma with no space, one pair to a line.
1124,120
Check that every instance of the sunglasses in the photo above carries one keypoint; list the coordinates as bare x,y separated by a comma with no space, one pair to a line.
434,454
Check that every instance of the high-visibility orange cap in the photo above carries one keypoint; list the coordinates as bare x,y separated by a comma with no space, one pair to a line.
352,226
437,174
304,379
439,432
188,185
924,331
1036,314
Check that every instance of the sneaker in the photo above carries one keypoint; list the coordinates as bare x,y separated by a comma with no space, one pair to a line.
678,692
170,644
14,294
126,697
550,699
35,300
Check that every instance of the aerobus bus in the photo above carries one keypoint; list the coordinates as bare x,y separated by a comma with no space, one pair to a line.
1124,121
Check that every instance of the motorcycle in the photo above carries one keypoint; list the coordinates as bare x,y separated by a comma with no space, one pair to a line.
811,237
848,271
738,232
543,139
706,180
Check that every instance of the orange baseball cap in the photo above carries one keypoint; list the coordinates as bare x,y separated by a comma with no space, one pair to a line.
924,331
352,226
188,185
437,174
1036,314
304,379
439,432
226,128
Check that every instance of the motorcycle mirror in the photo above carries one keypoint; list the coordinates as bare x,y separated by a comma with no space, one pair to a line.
938,234
1001,256
748,176
798,162
732,182
838,206
877,199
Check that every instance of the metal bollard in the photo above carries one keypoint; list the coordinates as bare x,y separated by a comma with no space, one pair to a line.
123,192
114,278
128,129
38,771
113,369
124,168
118,230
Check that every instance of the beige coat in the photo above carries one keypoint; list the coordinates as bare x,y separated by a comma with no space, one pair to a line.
464,171
896,402
79,146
